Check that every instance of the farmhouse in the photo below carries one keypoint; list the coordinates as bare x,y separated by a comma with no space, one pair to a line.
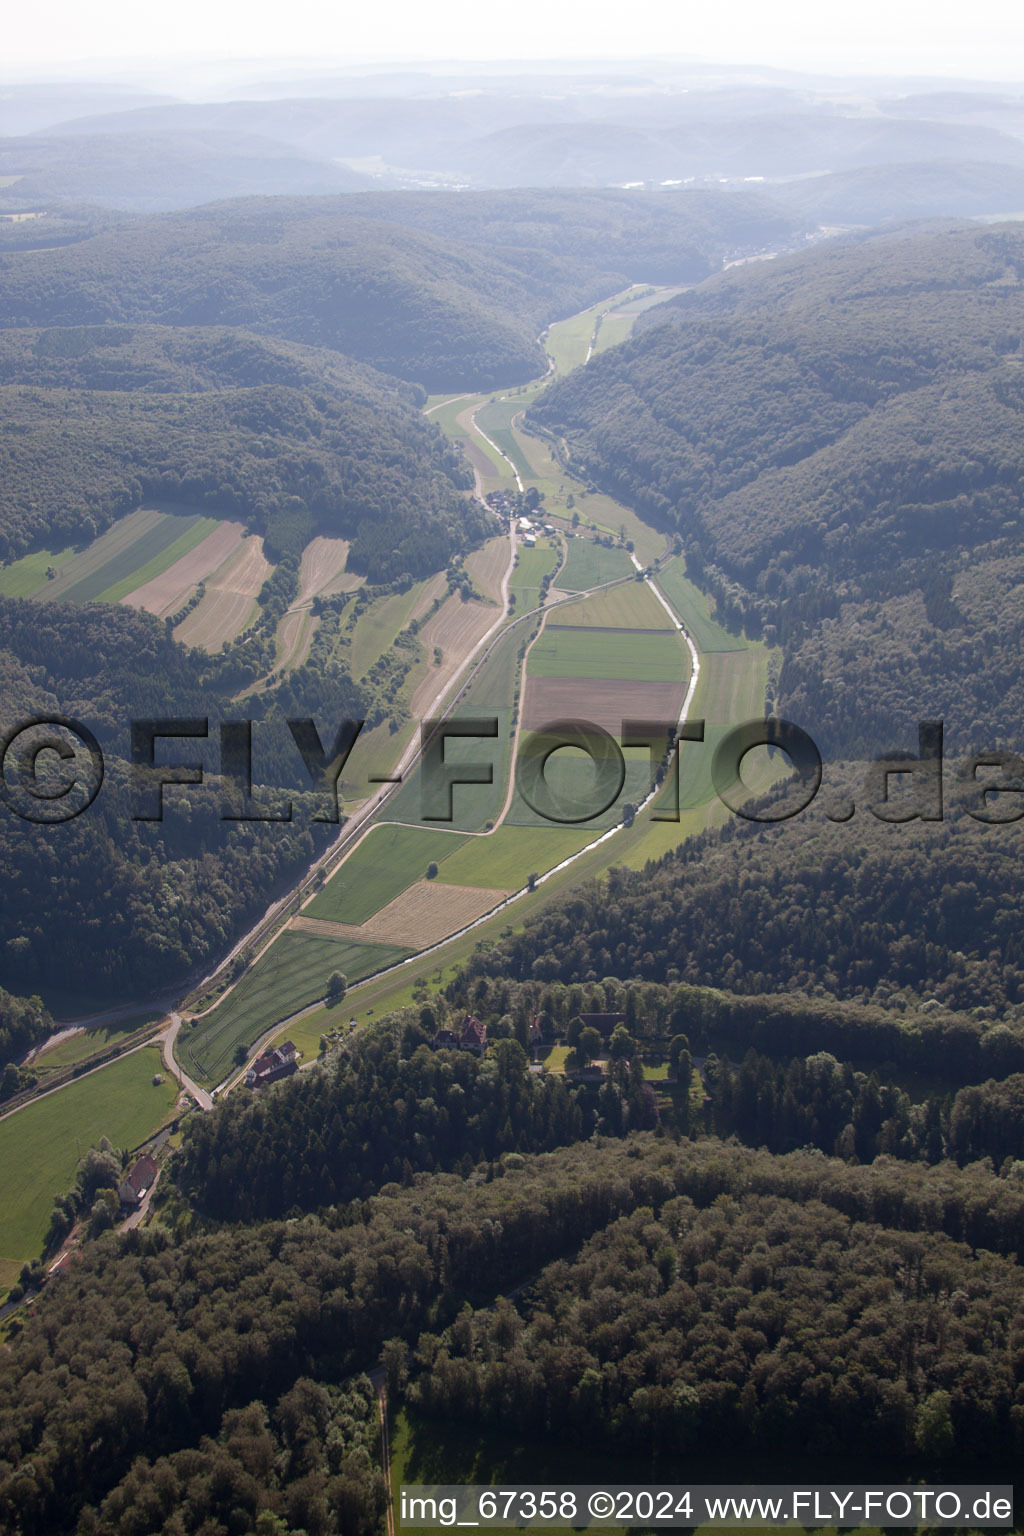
473,1037
272,1065
138,1180
530,540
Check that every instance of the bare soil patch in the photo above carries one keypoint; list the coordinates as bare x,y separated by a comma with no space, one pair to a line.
230,594
604,701
322,571
167,592
423,915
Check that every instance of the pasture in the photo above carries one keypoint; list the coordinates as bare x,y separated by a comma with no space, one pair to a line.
379,868
508,856
130,552
292,973
25,577
694,609
41,1144
632,605
623,655
589,565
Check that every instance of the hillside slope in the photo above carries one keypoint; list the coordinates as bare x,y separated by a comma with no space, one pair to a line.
837,437
96,419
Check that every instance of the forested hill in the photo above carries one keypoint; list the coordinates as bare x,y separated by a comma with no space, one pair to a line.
838,438
899,915
676,1300
447,303
97,418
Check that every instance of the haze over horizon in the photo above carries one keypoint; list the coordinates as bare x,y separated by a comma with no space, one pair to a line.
198,42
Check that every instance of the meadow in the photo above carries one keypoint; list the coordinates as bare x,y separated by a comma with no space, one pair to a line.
387,860
25,577
630,605
41,1144
621,655
495,419
508,856
292,973
590,565
134,550
694,609
533,565
473,805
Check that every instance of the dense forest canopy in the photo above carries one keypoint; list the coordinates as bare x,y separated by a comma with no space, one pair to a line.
446,291
837,436
97,419
860,910
105,902
673,1287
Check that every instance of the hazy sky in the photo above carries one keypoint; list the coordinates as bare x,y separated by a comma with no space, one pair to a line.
983,38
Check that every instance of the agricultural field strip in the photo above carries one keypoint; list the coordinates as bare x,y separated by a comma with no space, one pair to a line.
195,533
165,592
409,757
298,965
423,913
115,541
230,598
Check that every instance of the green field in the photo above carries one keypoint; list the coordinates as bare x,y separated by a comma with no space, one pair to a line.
41,1144
658,656
377,627
473,805
380,868
694,609
89,1043
24,577
196,529
506,859
292,974
112,562
571,779
495,418
589,565
533,565
629,605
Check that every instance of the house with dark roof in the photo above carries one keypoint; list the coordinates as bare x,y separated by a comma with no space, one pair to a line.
282,1061
137,1182
474,1035
445,1040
